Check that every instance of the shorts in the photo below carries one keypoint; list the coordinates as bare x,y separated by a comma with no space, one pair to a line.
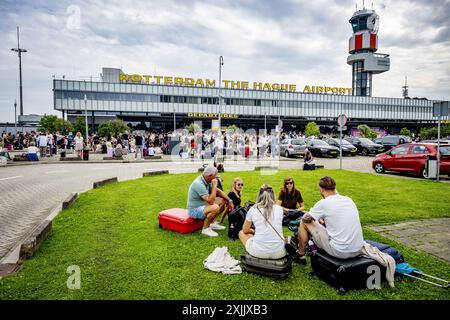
197,213
263,255
322,240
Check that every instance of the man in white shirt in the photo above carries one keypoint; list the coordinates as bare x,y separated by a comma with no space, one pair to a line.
333,224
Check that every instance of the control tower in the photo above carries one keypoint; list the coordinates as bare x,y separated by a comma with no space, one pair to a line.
362,47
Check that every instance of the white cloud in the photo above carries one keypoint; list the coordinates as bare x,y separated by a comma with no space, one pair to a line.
276,41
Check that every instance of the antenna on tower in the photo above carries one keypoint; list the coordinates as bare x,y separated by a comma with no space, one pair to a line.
405,88
356,6
364,7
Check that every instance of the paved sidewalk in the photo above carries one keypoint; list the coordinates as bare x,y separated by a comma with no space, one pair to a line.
431,235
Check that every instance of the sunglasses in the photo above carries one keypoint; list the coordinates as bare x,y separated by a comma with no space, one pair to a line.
289,182
240,184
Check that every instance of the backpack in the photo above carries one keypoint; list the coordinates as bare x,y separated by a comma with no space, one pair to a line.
236,220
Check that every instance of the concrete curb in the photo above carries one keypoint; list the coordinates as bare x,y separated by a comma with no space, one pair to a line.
100,183
113,158
154,173
69,200
265,168
34,241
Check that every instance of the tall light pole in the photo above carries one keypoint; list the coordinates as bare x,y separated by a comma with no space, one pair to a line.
174,122
15,116
19,51
220,91
86,120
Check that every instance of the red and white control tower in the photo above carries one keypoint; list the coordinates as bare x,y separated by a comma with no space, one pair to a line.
362,47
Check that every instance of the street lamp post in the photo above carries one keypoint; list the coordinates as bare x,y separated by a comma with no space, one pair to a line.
174,121
220,91
86,120
19,51
15,116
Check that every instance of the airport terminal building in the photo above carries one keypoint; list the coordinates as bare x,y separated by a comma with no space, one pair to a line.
156,102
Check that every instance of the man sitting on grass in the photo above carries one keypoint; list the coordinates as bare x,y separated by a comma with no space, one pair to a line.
333,224
206,201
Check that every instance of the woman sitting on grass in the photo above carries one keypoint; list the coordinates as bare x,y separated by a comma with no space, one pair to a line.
263,242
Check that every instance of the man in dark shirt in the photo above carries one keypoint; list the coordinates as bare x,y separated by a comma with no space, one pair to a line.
139,143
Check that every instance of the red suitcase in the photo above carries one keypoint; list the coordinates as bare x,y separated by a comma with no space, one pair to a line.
178,220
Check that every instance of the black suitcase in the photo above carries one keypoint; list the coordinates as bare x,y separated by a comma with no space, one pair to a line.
274,268
344,274
86,155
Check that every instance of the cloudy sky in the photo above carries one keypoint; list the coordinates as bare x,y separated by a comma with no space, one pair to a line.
289,41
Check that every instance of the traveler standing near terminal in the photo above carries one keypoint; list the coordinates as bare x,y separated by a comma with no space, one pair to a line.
139,143
78,144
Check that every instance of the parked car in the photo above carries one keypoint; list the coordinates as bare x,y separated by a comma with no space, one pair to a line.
365,146
321,148
411,158
292,147
390,141
347,148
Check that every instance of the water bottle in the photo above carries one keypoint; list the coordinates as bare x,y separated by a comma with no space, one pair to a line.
311,246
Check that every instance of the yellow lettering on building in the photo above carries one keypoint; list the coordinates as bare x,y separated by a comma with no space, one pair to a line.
147,78
244,84
200,83
226,83
292,88
179,81
158,79
257,85
210,83
124,77
189,81
168,81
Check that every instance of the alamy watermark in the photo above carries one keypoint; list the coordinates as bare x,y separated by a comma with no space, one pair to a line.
74,280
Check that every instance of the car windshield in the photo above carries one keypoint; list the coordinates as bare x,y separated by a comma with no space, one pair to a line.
445,150
366,140
319,142
344,142
297,142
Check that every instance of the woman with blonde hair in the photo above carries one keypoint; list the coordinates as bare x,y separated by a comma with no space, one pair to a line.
78,144
266,240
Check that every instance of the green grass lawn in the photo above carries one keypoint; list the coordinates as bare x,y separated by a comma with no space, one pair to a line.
112,234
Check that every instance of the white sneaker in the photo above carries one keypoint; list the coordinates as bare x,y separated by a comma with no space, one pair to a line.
216,226
209,232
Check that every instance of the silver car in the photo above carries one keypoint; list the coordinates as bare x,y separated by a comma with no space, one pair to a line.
292,147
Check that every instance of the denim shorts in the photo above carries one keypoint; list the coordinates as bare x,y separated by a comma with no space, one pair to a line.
197,213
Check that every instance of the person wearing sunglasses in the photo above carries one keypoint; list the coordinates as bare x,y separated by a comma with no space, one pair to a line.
289,197
265,241
236,191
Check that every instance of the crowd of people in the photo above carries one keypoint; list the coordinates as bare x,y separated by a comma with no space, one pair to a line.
332,223
199,145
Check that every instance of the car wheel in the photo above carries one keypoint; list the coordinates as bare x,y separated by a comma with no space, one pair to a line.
379,168
424,173
286,154
364,152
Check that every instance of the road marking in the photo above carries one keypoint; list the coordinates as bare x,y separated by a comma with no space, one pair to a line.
56,171
9,178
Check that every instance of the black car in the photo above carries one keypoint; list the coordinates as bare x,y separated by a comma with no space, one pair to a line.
366,146
347,148
390,141
321,148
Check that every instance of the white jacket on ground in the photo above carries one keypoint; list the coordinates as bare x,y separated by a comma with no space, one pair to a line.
220,260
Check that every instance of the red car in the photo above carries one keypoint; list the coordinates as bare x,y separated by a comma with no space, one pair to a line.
411,158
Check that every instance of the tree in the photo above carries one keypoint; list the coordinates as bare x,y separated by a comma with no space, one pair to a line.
193,127
367,132
48,123
79,125
114,128
312,129
63,126
405,132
